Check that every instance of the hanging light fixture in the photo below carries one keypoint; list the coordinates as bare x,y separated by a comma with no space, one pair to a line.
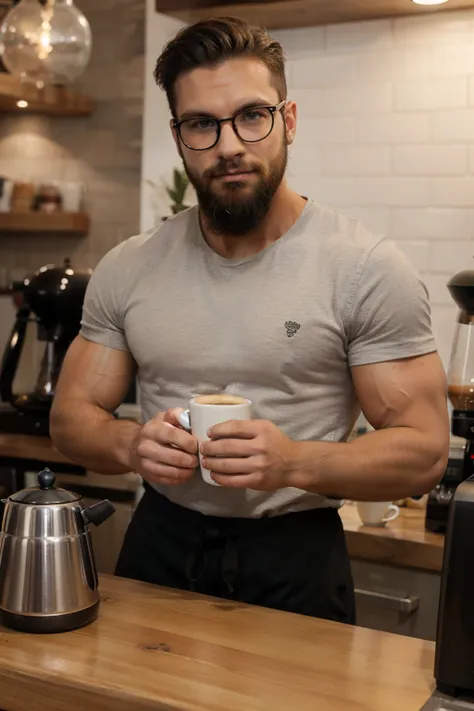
429,2
46,42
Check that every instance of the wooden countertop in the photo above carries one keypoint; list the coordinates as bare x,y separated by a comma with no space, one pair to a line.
403,542
155,649
31,447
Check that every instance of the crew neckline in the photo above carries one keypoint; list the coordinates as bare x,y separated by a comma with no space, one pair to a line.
232,263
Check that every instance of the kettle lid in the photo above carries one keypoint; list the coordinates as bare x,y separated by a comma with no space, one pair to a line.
45,492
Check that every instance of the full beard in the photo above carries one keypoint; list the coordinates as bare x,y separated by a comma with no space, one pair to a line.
238,209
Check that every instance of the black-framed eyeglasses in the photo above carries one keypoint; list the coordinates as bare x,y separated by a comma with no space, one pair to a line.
200,133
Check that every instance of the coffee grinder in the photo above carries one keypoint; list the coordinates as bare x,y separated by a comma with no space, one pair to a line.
453,502
461,394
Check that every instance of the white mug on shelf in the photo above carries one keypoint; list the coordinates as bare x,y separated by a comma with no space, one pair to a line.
377,513
205,411
6,192
72,195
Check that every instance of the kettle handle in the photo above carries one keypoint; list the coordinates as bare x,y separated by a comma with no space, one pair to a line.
98,513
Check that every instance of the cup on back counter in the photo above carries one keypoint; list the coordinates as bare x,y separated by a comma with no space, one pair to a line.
377,513
205,411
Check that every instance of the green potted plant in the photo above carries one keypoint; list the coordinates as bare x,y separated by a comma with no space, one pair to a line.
177,191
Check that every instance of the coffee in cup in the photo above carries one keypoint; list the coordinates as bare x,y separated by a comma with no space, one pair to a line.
222,399
205,411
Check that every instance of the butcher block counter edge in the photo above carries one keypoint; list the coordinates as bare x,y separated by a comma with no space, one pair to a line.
403,542
156,649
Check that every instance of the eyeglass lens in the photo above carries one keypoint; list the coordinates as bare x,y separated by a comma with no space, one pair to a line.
251,125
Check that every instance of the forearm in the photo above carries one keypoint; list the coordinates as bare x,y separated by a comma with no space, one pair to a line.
93,438
388,464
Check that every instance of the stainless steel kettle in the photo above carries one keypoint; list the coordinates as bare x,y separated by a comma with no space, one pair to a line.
48,577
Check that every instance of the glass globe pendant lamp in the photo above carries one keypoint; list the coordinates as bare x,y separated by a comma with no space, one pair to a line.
46,42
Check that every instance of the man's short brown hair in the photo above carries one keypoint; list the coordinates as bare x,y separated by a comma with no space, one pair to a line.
210,42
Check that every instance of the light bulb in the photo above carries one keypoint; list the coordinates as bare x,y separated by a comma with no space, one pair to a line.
46,43
429,2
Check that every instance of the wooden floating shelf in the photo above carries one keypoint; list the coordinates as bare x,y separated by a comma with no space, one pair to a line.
52,100
72,223
280,14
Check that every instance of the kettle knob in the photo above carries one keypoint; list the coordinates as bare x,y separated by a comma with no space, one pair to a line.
46,479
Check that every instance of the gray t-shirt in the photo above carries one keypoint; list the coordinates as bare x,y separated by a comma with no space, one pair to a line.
282,327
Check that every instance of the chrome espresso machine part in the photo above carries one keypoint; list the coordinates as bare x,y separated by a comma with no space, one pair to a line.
461,395
48,577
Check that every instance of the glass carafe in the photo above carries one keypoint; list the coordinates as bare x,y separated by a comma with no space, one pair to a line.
461,367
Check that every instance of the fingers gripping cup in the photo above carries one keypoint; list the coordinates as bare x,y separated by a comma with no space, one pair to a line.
205,411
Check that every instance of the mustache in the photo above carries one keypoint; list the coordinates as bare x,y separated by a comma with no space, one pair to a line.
223,167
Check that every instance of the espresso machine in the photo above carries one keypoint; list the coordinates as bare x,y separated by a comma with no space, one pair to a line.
52,298
461,394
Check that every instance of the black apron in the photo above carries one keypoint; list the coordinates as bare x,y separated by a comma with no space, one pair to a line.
297,562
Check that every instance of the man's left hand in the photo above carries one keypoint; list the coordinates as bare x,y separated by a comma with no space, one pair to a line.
251,454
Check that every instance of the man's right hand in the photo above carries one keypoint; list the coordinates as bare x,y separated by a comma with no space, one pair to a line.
164,453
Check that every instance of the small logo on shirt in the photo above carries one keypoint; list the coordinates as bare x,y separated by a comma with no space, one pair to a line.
292,328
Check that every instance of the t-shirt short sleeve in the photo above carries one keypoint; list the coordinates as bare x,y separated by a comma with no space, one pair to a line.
102,313
391,315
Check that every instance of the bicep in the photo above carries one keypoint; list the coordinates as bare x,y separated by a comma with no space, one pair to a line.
410,392
94,373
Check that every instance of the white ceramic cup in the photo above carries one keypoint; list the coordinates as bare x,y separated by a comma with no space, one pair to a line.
377,513
205,411
73,196
6,195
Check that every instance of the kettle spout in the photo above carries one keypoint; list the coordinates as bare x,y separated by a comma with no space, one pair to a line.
98,513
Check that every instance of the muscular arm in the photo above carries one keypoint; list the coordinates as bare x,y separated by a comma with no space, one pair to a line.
93,382
406,403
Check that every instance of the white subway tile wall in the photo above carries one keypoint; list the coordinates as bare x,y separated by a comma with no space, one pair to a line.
430,160
386,112
393,127
431,94
455,126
